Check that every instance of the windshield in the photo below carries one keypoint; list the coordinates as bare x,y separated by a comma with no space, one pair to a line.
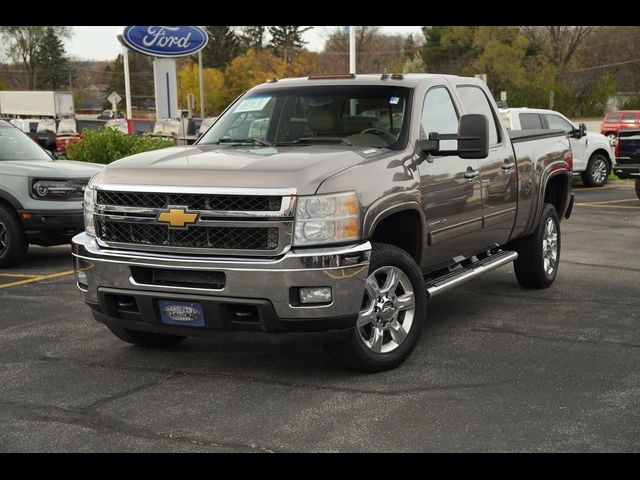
15,145
47,126
368,116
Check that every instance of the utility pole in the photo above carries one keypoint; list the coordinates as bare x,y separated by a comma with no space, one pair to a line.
352,49
201,80
127,82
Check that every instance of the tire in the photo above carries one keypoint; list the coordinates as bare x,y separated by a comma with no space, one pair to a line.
13,244
534,249
597,171
145,339
638,187
390,322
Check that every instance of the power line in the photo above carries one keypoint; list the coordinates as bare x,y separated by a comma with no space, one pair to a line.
604,66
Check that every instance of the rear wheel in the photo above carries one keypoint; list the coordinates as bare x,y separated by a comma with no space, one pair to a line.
13,244
145,339
597,171
391,316
539,253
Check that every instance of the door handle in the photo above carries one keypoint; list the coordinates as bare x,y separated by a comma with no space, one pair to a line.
471,174
507,165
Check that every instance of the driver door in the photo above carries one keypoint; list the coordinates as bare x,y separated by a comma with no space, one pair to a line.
578,145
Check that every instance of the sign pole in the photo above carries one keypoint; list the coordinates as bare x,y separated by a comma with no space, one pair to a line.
352,49
201,79
127,82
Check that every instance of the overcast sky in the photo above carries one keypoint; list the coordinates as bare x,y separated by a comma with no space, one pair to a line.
100,43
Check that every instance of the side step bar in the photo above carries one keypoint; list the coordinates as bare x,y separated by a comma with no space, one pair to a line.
455,278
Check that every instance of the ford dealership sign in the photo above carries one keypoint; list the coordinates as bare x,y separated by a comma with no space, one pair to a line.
159,41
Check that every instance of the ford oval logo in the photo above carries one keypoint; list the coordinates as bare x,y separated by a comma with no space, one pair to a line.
163,41
181,313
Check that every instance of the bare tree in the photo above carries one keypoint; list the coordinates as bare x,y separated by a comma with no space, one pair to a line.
557,43
22,44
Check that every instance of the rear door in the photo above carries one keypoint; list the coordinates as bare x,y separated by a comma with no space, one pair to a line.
451,196
497,175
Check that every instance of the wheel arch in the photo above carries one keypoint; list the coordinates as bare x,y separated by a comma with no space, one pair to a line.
402,226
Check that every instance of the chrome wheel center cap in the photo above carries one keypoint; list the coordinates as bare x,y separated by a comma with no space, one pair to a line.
386,310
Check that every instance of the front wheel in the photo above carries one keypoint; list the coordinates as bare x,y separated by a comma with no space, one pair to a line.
392,313
597,171
539,253
13,244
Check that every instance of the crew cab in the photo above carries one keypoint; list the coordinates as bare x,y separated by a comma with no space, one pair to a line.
40,198
628,156
593,157
614,122
326,209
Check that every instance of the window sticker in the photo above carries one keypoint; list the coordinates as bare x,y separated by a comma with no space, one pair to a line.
394,100
253,104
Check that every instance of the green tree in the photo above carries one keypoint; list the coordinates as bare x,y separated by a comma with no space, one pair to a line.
22,44
223,46
141,78
252,37
52,63
448,49
286,41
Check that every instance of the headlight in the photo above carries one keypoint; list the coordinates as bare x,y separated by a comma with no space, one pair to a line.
322,219
89,205
53,189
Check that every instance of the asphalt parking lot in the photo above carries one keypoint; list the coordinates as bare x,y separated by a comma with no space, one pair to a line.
498,368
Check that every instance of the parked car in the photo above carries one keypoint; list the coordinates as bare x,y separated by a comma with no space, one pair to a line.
322,229
70,130
132,126
167,128
615,121
40,198
109,114
593,156
628,156
182,131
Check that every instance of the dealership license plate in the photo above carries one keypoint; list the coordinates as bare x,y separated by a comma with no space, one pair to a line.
181,313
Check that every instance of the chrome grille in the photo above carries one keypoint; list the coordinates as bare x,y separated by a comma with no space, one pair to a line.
195,201
229,221
232,238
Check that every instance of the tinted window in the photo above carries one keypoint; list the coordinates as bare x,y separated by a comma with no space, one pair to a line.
475,101
629,117
15,145
558,123
613,117
439,115
530,121
142,127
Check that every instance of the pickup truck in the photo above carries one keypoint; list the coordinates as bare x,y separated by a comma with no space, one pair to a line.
593,157
324,209
40,197
627,148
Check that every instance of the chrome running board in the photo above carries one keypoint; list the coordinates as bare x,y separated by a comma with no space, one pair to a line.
455,278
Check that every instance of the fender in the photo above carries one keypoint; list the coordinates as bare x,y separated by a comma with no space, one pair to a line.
550,172
10,199
389,205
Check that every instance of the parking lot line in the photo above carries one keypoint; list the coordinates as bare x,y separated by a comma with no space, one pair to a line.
35,278
19,275
599,205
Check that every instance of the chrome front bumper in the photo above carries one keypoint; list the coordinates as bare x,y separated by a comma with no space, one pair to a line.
344,269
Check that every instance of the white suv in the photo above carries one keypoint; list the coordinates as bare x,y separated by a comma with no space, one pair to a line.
40,198
593,157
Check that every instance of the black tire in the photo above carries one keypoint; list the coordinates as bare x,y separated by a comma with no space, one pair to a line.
638,187
530,266
13,244
352,352
592,176
145,339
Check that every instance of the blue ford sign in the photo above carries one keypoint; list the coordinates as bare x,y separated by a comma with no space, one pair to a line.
163,41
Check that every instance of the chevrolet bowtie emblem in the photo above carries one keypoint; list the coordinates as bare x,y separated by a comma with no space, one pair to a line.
177,217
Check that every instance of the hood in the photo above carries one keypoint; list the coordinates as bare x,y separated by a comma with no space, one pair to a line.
299,167
594,138
49,168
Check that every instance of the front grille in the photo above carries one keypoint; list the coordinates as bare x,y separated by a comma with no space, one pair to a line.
194,201
227,238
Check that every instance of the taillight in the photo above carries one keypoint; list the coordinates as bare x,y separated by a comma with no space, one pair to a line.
568,157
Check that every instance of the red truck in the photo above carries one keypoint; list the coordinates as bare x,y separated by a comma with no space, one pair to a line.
615,121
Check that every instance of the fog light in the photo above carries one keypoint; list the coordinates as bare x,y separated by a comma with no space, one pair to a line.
315,295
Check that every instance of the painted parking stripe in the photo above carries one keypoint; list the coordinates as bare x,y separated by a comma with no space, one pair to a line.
38,278
20,275
599,205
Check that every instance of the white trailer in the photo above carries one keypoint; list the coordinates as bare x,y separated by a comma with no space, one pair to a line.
30,103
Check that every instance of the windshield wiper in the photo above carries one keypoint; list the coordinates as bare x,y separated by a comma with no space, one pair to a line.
316,140
253,140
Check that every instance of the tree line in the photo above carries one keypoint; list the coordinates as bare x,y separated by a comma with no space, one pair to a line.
578,68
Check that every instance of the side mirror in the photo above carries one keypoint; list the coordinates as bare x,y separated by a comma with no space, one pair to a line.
472,138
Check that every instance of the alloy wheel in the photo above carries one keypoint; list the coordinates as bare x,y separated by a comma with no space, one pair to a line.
550,247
